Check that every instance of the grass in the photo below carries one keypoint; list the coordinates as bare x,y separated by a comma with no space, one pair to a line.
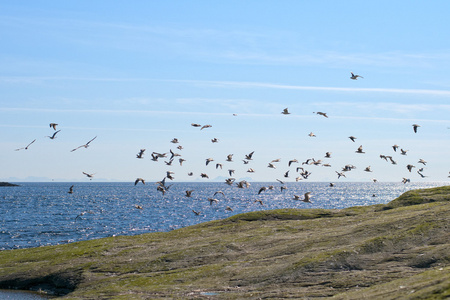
393,251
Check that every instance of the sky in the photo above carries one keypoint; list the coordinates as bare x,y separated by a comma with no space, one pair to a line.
136,75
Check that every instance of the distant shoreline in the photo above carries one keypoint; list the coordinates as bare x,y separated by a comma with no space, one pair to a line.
8,184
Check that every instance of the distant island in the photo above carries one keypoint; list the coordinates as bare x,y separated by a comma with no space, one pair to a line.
8,184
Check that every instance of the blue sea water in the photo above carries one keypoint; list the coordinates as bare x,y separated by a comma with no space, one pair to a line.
40,214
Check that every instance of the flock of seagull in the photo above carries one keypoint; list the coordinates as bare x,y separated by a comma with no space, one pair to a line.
169,158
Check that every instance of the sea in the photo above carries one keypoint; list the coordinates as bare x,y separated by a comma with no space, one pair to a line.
42,214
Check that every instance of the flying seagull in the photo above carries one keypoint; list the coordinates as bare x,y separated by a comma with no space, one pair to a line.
26,148
71,189
285,111
139,179
85,145
54,135
415,126
352,138
53,125
322,114
354,77
90,176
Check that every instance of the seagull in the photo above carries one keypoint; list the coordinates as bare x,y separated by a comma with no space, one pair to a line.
403,152
355,77
367,169
262,189
174,141
307,197
360,150
196,212
286,175
259,201
415,127
140,154
312,134
215,140
141,180
181,160
203,175
90,176
212,200
190,174
219,192
83,213
196,125
421,161
54,135
331,184
292,161
328,155
53,125
228,208
410,167
205,126
250,170
85,145
138,206
340,174
26,148
276,160
322,114
249,156
285,111
229,181
189,193
173,154
271,165
395,147
70,190
208,160
230,157
219,165
405,180
231,172
352,138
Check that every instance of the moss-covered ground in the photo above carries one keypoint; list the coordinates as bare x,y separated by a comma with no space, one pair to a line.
395,251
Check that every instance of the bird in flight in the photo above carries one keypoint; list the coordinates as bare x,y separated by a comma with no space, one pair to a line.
322,114
90,176
85,145
140,154
53,136
26,148
53,125
285,112
415,126
70,190
354,77
352,138
139,179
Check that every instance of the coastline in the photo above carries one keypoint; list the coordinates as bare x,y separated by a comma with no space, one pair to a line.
347,253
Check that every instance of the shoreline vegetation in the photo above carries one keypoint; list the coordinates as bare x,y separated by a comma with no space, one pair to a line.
398,250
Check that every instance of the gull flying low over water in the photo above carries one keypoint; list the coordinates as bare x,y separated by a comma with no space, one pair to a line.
307,197
85,145
139,179
354,77
71,189
26,148
189,193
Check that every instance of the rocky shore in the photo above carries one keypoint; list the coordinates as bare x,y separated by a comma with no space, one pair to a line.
395,251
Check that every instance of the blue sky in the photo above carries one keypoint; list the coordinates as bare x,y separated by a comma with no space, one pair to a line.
137,74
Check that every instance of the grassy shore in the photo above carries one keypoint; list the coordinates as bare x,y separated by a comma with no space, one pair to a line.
400,250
